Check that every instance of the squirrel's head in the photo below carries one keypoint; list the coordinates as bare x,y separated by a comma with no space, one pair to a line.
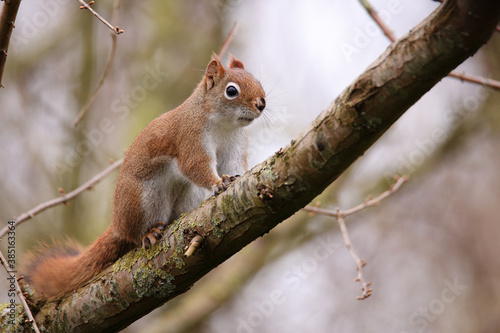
237,97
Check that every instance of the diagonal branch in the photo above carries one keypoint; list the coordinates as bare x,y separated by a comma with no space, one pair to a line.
85,5
7,19
228,40
272,191
374,15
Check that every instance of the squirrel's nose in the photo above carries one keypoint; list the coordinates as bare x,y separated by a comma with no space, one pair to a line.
260,103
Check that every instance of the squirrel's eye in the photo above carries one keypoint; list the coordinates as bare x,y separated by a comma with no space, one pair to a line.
232,90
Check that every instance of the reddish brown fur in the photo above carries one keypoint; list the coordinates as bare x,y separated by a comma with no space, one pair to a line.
174,138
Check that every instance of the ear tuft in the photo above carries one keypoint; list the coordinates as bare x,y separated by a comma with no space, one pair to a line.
235,63
215,71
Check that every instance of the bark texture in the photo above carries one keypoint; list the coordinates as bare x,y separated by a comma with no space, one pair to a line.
272,191
7,19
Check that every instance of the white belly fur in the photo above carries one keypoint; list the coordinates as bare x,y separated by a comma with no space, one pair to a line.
168,195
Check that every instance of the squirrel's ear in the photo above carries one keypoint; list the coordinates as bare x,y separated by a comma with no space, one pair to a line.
215,71
235,63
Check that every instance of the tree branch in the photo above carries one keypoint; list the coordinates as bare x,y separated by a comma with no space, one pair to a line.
340,214
85,5
374,15
367,203
272,191
228,40
7,19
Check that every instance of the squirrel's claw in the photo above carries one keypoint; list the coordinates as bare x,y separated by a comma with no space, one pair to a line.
224,183
153,235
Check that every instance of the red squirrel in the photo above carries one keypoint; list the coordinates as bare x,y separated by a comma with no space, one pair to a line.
175,163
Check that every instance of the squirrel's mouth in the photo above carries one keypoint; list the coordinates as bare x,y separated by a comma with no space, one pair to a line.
245,119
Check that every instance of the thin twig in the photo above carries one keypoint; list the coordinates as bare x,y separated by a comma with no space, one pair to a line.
85,5
7,19
228,40
367,203
340,214
65,197
360,263
107,69
462,76
19,292
374,14
476,79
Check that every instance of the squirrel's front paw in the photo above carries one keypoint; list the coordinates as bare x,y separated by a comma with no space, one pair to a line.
223,184
153,235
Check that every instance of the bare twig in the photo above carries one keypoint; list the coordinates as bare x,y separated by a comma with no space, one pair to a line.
340,214
107,69
228,40
360,263
462,76
65,197
368,203
374,14
19,293
476,79
85,5
7,19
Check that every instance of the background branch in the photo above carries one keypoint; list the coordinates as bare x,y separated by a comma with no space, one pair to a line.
368,203
340,214
115,29
7,19
360,263
374,14
228,40
107,69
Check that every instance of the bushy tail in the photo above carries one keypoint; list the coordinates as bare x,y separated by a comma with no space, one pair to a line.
61,268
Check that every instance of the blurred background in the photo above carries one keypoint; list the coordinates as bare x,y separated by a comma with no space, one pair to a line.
431,248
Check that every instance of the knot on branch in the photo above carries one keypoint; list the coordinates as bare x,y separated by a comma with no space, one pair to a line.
264,193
